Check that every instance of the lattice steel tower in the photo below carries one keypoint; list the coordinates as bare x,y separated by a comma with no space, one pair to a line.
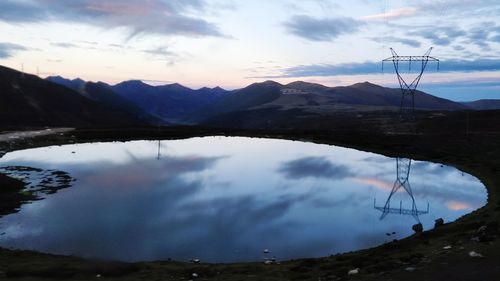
408,90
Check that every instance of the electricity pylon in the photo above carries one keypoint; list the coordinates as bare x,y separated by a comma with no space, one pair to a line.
408,90
402,180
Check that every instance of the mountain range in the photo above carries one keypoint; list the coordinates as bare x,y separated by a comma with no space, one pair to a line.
60,101
29,101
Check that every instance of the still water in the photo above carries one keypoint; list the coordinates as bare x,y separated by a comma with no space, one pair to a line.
225,199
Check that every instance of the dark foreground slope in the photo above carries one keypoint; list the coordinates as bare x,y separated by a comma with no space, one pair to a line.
471,144
28,101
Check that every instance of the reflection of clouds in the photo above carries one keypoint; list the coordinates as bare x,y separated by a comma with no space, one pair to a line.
106,216
127,204
317,167
147,172
377,183
378,159
458,206
431,168
471,194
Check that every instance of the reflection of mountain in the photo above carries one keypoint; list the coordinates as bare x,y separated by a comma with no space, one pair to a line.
403,166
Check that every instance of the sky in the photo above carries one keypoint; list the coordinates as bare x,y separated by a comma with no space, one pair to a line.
233,43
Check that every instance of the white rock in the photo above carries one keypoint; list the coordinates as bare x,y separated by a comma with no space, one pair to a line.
195,275
473,254
410,269
447,247
98,276
353,271
268,262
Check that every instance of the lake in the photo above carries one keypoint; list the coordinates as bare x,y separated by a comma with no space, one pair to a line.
224,199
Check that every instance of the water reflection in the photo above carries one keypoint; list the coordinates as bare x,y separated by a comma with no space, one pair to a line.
403,166
222,199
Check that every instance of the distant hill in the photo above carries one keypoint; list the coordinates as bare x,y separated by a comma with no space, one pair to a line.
318,99
173,103
28,101
248,97
302,105
486,104
104,94
364,94
75,84
267,102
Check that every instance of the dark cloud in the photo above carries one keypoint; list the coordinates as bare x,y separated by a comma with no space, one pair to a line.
453,65
404,41
442,36
64,45
321,29
317,167
21,11
139,17
163,53
8,50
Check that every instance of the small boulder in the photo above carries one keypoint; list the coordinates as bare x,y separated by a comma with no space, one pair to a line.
482,229
474,254
353,271
410,269
439,222
417,228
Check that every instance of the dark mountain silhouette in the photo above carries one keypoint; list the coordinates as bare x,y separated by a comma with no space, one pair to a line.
485,104
103,93
28,101
75,84
173,102
367,94
304,106
257,104
248,97
318,99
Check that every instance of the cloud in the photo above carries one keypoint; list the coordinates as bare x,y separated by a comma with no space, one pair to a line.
139,17
317,167
160,51
314,70
392,14
64,45
8,50
321,29
442,36
392,39
163,53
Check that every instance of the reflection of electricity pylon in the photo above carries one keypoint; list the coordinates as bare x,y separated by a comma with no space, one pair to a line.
408,90
402,180
159,150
